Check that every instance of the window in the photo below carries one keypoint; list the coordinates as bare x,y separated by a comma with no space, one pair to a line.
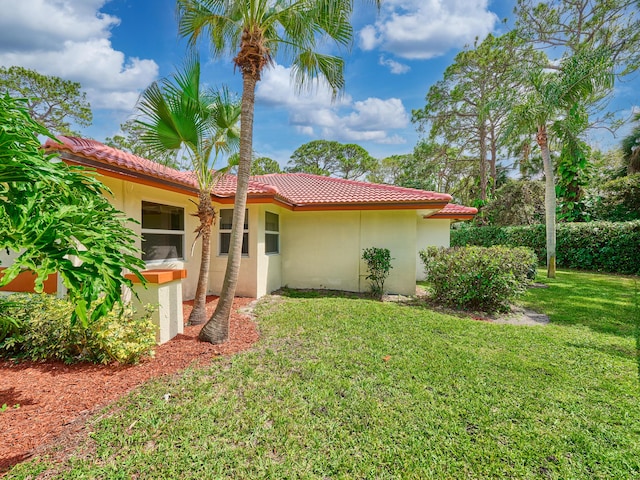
162,232
271,233
226,222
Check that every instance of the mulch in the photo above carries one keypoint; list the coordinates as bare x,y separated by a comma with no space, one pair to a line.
48,400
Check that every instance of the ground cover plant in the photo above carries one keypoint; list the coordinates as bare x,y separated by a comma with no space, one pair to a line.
343,387
39,327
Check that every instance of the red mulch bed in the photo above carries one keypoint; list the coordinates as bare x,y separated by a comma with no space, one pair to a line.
54,396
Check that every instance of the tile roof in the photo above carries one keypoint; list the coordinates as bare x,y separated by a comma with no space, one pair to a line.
308,189
95,150
297,190
454,211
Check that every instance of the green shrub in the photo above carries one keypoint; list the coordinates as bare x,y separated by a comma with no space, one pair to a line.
378,265
478,278
598,246
617,200
44,331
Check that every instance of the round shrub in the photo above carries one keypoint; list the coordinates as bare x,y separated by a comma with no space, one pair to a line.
43,331
478,278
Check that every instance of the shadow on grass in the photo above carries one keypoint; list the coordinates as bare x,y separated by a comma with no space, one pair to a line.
322,293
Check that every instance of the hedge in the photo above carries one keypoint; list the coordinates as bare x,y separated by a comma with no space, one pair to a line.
612,247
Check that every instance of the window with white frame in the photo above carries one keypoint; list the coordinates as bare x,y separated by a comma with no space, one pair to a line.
226,222
271,233
162,232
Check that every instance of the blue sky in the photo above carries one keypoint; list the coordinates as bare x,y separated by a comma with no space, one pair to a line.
115,48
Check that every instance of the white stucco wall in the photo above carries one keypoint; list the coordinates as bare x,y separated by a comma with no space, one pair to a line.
430,232
269,266
395,230
324,249
321,250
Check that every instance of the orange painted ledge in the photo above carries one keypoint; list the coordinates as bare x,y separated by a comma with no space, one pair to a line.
159,275
26,282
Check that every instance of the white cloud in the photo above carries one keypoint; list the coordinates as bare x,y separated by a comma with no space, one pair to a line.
423,29
70,39
396,68
314,113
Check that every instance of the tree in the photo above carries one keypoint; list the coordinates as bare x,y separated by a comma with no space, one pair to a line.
572,27
131,141
51,213
180,117
264,166
53,102
255,32
555,103
517,202
467,108
631,149
331,158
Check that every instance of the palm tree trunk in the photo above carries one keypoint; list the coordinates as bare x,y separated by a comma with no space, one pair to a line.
549,200
206,214
217,328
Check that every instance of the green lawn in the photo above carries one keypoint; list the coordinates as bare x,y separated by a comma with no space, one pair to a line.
352,388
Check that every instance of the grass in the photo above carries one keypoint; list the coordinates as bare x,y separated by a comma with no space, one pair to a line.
354,388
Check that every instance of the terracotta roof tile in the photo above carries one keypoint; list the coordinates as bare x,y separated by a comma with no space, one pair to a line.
296,189
307,189
97,151
452,208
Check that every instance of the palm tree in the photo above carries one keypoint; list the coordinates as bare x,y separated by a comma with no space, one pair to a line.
255,32
179,117
555,103
631,149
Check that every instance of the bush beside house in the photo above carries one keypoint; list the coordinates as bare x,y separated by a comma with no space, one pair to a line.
598,246
478,278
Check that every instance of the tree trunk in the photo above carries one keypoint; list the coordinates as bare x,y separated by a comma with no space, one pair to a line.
483,161
217,328
549,200
493,161
206,214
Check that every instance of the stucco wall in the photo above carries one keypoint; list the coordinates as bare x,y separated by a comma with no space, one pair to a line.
321,250
395,230
324,249
269,267
430,232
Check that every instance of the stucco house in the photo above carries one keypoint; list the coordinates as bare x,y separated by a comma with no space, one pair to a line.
301,230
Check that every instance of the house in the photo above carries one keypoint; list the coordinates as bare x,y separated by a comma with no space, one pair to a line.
301,230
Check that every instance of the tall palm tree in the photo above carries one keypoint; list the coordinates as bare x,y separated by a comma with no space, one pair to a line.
254,32
555,103
179,117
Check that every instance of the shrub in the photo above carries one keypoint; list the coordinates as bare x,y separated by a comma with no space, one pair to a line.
618,200
44,331
378,265
597,246
478,278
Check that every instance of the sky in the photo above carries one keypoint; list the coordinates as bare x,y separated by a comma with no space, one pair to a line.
116,48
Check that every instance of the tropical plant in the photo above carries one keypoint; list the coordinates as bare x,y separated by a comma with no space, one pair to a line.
555,103
255,32
51,101
180,117
56,219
